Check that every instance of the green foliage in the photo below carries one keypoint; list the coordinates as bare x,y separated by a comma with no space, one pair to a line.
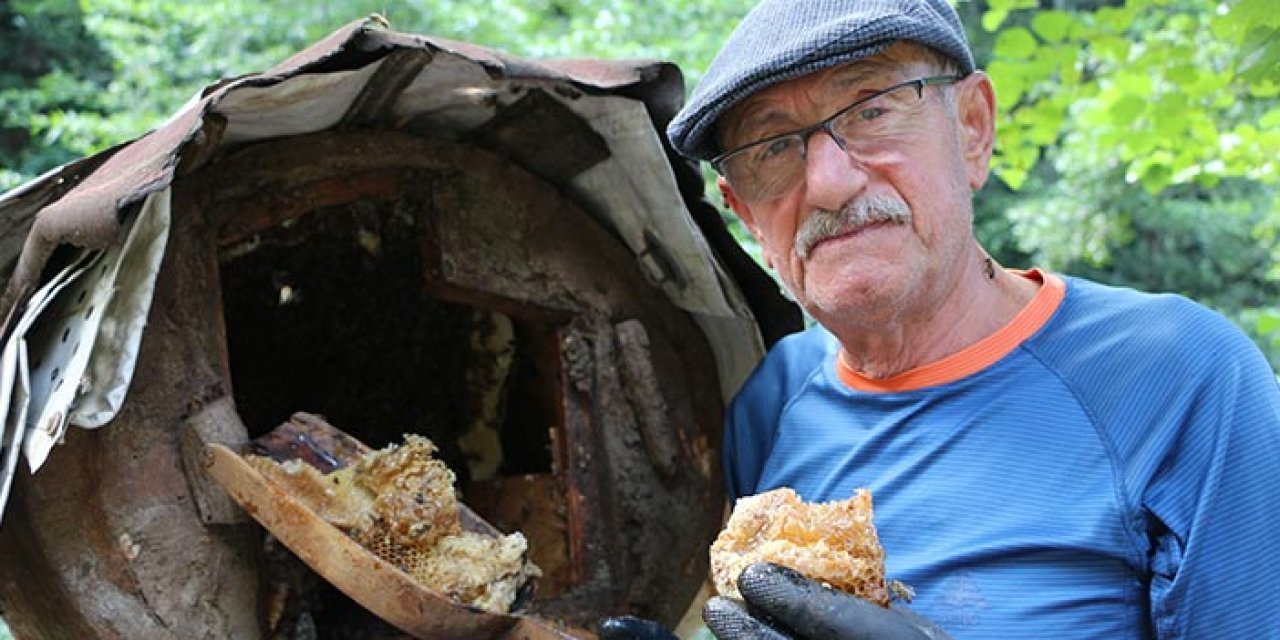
1175,91
1256,27
152,56
48,62
135,62
1144,138
109,70
1191,242
1120,120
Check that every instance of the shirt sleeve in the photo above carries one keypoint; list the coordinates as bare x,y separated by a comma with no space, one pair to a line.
755,413
1213,499
746,437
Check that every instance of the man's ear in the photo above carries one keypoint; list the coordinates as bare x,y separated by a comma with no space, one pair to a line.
744,213
976,107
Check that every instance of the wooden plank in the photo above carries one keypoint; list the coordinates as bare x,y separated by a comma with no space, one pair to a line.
374,583
215,422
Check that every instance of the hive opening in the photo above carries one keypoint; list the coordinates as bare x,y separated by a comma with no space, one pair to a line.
332,313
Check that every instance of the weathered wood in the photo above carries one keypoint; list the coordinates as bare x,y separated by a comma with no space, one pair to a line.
309,438
646,397
373,582
544,137
534,505
396,72
216,422
478,231
111,520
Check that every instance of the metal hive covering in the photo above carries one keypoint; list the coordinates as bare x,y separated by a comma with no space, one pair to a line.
590,126
82,246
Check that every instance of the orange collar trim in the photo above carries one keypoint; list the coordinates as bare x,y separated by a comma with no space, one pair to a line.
977,356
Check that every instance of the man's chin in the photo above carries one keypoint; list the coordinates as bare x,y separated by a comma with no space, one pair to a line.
830,267
849,291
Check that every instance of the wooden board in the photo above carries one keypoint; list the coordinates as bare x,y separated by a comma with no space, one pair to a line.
376,584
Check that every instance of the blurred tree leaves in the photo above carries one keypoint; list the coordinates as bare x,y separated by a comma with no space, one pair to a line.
78,77
120,67
1137,143
1142,138
1173,90
48,62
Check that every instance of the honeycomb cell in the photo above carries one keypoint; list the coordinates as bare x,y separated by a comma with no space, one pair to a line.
399,504
833,542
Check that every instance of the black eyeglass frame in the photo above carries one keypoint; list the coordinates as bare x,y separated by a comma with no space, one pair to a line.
806,132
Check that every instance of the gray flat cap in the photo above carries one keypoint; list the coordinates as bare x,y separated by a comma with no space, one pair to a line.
784,39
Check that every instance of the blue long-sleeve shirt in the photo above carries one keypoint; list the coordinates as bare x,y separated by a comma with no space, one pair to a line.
1106,466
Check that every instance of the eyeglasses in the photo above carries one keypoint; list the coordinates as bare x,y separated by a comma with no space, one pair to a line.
769,168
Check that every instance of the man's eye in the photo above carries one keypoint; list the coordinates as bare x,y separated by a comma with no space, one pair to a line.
870,112
772,149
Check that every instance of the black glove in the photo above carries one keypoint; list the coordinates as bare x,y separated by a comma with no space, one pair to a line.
633,628
782,604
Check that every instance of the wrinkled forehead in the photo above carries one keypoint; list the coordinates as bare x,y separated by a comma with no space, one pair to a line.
772,108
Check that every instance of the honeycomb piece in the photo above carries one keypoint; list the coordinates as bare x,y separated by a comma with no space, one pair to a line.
478,571
833,542
413,500
399,503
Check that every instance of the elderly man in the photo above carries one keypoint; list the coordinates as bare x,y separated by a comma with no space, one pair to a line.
1049,457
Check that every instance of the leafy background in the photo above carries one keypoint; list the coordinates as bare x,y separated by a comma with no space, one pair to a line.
1137,144
1137,139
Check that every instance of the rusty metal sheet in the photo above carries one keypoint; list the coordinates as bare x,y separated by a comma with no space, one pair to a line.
88,213
539,252
373,91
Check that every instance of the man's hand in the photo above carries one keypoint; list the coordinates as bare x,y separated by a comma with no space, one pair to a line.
784,605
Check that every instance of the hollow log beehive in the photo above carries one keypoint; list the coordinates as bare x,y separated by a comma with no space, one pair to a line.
403,235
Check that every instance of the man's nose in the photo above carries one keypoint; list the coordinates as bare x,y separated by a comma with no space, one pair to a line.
832,176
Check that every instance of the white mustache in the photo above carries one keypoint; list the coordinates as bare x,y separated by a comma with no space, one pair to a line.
824,224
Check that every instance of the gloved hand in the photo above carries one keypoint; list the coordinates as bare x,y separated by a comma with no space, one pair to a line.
633,628
784,605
